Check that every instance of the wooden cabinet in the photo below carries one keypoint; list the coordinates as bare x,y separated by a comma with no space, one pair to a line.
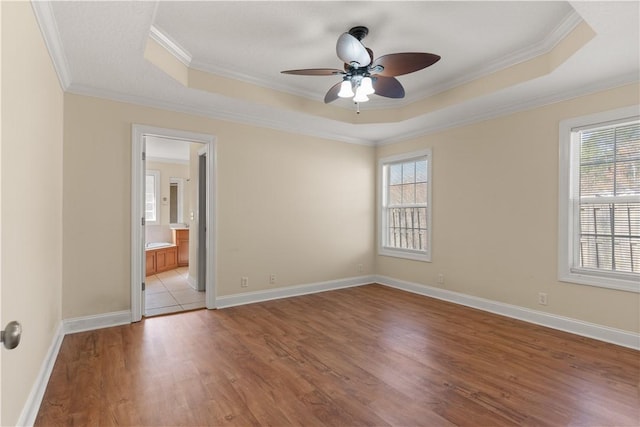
181,240
166,259
151,263
159,260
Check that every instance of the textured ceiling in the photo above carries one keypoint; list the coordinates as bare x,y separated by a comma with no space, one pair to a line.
99,49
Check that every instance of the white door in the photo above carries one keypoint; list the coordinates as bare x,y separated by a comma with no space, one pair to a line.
137,211
142,236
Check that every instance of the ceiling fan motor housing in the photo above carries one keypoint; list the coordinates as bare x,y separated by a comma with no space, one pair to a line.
359,32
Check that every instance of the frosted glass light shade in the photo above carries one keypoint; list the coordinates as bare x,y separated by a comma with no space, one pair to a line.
367,86
345,90
360,95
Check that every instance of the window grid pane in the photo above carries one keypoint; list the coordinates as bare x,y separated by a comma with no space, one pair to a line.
610,237
609,234
408,228
406,210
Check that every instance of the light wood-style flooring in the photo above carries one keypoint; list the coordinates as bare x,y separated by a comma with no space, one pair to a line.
369,355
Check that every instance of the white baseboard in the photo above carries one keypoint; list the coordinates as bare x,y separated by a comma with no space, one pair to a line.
98,321
574,326
32,405
291,291
80,324
67,326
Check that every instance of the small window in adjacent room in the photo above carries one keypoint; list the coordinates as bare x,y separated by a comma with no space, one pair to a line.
405,208
152,197
600,200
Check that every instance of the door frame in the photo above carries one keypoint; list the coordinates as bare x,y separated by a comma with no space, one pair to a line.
138,132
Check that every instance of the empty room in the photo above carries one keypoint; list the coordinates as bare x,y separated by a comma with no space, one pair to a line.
322,213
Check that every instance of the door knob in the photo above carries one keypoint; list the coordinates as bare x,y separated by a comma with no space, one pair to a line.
10,337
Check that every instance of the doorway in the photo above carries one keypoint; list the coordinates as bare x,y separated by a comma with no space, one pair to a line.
156,219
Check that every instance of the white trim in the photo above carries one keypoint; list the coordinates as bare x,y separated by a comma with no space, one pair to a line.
290,127
172,46
67,326
34,400
138,132
216,113
43,11
567,222
574,326
511,108
211,223
292,291
97,321
382,202
564,28
542,47
87,323
137,230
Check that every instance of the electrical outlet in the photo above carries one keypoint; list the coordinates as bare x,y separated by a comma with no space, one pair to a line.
542,298
441,279
244,282
272,278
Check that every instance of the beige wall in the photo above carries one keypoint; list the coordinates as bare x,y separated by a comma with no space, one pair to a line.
31,202
295,206
495,214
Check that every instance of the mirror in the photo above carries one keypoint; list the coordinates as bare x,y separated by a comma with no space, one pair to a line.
176,200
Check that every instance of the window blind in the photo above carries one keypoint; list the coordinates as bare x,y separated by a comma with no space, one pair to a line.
609,198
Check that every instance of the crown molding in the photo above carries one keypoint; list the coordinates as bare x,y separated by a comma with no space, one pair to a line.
43,11
215,113
182,55
172,46
487,114
258,81
570,21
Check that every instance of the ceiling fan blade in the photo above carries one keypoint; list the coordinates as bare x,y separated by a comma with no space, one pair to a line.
332,94
349,50
314,72
397,64
388,87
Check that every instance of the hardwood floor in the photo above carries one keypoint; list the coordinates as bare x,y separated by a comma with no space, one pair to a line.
369,355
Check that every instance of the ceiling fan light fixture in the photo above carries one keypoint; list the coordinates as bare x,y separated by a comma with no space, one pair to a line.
366,85
362,75
361,96
346,91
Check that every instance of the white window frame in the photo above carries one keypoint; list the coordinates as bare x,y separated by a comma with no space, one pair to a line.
383,223
156,175
569,204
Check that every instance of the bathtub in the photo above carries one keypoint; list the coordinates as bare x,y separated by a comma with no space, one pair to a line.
157,245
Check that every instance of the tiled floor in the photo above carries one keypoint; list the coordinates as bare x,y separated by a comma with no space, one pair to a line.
169,292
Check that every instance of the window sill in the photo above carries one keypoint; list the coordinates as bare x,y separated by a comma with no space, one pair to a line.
410,255
617,282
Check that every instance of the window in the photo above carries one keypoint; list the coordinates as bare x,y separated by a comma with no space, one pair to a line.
600,200
405,208
152,197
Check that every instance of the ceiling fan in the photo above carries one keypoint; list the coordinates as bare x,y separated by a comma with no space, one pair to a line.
362,75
